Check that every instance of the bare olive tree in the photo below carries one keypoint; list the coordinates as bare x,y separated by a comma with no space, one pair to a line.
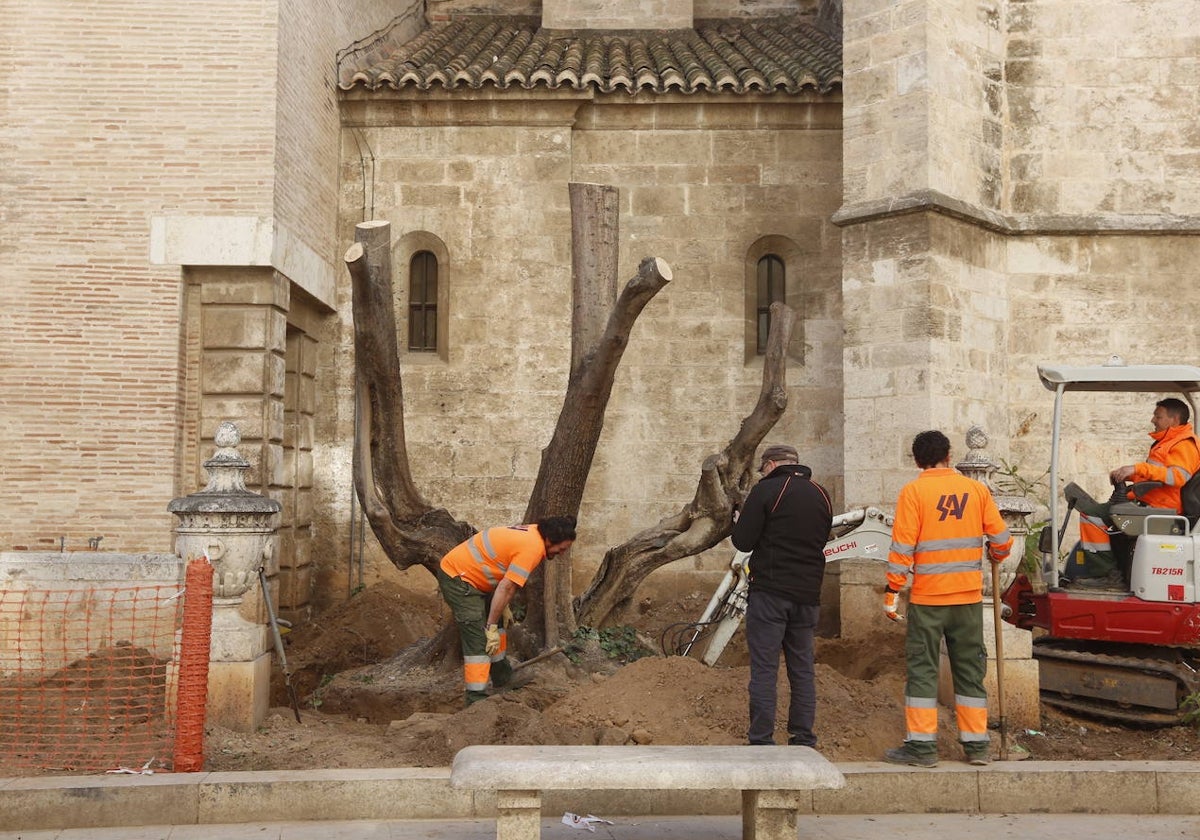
411,531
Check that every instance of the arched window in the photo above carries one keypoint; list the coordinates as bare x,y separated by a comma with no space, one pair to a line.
772,287
423,302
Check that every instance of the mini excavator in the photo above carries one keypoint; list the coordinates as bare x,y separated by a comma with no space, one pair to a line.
1129,651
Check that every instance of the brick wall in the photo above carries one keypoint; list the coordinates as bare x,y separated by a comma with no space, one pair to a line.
147,109
496,197
141,108
307,133
226,111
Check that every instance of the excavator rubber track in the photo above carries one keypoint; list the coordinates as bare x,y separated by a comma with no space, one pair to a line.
1127,683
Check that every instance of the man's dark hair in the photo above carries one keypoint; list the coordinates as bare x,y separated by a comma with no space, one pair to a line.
1177,408
930,448
556,529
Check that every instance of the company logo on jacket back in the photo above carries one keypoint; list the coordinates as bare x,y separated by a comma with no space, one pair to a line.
952,505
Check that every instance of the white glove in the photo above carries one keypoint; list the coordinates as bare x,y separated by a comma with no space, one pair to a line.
889,606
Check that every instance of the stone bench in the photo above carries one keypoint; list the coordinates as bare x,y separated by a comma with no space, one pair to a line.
770,778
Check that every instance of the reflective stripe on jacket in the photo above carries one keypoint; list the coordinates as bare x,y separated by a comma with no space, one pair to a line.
497,553
1173,458
942,520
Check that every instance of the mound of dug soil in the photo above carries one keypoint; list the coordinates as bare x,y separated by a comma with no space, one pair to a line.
359,709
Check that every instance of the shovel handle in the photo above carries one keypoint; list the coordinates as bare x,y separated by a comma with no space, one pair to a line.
283,663
999,619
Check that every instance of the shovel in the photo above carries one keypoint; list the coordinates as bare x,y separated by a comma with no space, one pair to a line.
997,610
287,674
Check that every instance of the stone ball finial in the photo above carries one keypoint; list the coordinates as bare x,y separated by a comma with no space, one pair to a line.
227,435
976,438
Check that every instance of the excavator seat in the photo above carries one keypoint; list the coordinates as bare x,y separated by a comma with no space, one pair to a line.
1131,517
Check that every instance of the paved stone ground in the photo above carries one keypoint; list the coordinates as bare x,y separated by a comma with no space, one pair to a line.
891,827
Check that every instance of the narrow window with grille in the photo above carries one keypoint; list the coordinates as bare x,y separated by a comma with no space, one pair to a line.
772,287
422,302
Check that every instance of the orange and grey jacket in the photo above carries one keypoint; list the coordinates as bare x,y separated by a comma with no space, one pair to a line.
942,520
489,556
1173,458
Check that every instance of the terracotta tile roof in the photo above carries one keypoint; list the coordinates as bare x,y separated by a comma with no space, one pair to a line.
731,56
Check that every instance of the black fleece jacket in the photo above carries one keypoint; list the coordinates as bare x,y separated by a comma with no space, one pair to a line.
785,524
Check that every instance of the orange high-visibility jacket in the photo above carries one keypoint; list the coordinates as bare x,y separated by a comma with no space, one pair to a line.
483,560
1173,459
942,520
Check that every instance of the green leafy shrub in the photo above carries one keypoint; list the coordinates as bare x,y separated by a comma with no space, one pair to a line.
1191,707
620,643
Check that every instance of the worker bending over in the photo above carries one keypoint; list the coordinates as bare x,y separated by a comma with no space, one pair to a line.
478,578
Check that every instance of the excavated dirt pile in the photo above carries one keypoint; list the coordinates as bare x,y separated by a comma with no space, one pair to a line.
359,709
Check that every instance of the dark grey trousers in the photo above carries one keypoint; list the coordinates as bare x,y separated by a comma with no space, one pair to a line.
775,623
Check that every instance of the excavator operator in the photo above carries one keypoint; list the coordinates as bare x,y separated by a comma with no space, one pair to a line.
1174,457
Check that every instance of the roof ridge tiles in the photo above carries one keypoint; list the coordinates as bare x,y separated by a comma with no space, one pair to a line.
729,55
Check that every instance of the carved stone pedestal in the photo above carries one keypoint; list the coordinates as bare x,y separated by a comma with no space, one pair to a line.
236,530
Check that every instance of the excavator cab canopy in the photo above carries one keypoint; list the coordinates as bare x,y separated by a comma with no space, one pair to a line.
1113,376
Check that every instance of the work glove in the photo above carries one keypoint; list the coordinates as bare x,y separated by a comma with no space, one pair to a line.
506,618
889,606
493,639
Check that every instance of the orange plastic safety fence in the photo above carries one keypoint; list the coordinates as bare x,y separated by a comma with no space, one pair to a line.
84,677
193,667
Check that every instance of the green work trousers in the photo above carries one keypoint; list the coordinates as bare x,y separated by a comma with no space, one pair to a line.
961,625
470,608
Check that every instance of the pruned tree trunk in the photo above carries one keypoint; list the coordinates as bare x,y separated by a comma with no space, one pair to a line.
567,460
595,253
708,518
408,528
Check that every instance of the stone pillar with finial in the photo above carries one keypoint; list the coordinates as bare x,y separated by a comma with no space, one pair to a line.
1021,688
1015,509
236,529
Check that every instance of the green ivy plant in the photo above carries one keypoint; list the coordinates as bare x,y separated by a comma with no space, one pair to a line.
1191,709
314,699
620,643
1009,480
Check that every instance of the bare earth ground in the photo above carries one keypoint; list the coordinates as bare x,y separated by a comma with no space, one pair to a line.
358,710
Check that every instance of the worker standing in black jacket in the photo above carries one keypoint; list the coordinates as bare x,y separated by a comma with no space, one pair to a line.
785,523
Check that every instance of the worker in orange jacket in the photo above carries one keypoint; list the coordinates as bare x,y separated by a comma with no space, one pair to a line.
942,521
478,578
1174,458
